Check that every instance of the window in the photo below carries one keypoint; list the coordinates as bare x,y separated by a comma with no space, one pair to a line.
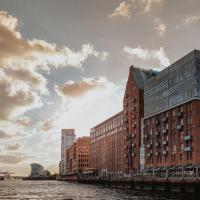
174,112
190,120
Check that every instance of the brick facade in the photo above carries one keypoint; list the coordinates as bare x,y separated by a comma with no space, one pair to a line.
172,137
107,145
133,106
78,155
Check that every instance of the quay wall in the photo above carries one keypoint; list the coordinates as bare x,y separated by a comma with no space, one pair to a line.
186,184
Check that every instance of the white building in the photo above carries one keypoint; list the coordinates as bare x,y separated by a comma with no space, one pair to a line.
37,169
67,138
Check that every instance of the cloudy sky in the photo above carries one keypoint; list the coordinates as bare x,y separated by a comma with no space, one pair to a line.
64,64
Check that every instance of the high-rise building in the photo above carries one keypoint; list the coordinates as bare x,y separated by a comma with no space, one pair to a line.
67,138
107,145
133,107
172,115
78,156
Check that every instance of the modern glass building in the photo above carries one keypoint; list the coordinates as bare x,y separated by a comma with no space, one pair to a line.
178,83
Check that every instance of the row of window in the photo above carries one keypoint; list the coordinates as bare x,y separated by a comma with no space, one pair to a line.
109,126
165,158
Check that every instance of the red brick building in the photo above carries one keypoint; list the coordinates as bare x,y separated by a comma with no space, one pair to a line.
172,115
78,155
107,145
172,137
133,106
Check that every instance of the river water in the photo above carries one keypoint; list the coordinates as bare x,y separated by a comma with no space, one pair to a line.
19,189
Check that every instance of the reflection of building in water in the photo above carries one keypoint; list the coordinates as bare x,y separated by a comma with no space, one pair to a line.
37,170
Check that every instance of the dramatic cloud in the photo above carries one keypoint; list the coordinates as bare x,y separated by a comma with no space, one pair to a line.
160,27
4,135
75,89
12,159
76,59
21,62
191,19
146,54
13,147
148,4
17,50
16,97
122,10
23,121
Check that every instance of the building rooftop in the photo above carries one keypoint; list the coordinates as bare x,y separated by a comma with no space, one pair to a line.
140,75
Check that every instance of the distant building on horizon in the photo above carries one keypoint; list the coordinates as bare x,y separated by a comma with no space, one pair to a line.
67,139
37,170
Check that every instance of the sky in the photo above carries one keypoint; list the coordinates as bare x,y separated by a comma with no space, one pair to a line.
64,64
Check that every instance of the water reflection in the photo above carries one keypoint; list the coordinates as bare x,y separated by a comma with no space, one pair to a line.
19,189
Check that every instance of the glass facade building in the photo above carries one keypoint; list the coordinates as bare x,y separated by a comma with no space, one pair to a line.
178,83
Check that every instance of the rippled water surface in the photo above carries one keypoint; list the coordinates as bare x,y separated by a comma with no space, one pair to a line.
19,189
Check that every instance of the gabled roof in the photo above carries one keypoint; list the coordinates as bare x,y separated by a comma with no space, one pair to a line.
141,75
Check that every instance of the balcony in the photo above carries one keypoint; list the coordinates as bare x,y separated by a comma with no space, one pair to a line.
157,133
134,126
149,155
165,142
179,127
188,138
157,144
133,135
126,137
188,149
126,146
165,131
165,152
133,145
146,136
133,100
133,108
157,153
149,145
179,114
126,155
125,112
165,119
133,116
